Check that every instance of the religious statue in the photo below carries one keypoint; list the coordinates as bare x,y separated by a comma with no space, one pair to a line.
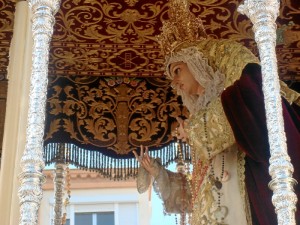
220,84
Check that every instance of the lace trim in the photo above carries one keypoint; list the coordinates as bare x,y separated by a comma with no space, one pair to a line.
215,64
242,186
290,95
160,187
161,184
213,81
173,189
143,180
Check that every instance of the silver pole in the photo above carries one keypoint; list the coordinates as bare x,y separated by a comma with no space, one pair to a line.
32,163
59,184
263,14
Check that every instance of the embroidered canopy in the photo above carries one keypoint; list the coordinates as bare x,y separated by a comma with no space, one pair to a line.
107,92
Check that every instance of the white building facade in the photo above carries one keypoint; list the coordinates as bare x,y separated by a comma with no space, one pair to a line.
98,201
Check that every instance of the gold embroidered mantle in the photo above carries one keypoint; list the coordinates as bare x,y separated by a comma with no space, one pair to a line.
219,133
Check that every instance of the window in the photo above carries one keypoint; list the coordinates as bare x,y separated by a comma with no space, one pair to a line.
83,218
67,222
105,218
96,218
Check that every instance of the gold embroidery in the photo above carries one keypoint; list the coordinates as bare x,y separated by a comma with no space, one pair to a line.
86,33
290,95
227,56
6,29
205,204
206,209
116,113
242,185
131,2
218,124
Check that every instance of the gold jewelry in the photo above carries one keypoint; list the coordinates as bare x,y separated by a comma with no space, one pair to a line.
182,27
181,169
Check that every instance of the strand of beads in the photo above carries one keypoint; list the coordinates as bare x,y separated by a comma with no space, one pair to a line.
216,181
181,170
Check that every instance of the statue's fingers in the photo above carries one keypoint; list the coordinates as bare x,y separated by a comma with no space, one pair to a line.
138,158
147,150
142,150
147,163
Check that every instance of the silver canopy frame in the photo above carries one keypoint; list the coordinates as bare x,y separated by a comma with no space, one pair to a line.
262,13
30,192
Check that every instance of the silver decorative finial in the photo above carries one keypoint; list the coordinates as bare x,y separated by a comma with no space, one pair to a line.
263,14
32,163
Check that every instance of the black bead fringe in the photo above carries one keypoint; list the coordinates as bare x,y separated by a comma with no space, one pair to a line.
116,169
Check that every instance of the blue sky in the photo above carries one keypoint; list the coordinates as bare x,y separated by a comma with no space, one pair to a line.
158,216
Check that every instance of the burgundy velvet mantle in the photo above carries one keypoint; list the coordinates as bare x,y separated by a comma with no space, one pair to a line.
244,108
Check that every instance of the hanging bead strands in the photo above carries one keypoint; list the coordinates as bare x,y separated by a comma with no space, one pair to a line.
180,162
216,181
181,169
198,175
95,161
193,179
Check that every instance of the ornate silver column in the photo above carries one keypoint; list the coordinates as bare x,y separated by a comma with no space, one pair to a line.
31,178
263,14
59,182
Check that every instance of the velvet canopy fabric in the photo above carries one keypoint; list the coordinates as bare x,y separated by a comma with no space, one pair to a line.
95,122
244,107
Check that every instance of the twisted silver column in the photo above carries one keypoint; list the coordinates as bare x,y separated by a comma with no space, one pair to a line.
59,184
31,178
263,14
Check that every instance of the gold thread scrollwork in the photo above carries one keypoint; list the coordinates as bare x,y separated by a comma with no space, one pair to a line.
6,30
116,113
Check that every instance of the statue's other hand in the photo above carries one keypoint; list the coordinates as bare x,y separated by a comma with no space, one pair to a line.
146,161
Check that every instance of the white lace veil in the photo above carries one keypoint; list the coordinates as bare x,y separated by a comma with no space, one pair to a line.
212,81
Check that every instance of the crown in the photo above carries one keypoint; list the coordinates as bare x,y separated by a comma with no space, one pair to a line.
181,27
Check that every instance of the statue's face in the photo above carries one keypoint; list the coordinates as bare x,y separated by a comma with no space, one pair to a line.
184,80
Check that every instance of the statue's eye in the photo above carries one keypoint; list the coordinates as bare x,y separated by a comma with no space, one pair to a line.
176,71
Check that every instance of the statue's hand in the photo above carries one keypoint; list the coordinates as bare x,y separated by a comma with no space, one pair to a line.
146,161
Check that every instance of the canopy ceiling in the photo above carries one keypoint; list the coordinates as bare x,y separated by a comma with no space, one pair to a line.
117,37
107,91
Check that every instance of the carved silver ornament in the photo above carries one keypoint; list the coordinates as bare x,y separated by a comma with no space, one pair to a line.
263,14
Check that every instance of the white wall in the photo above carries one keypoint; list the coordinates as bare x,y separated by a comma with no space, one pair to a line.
129,206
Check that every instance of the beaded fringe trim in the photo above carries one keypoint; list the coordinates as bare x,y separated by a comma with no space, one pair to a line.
112,168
